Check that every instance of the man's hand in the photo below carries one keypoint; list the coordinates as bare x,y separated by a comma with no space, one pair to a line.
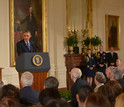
101,65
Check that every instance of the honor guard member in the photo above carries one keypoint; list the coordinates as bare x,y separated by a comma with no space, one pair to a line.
101,60
90,64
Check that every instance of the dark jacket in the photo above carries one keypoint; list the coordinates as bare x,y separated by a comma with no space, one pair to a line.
22,48
112,59
74,90
29,96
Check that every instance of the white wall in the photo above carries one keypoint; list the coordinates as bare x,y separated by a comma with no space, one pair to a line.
111,7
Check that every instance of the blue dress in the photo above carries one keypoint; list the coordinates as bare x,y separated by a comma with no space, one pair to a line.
89,62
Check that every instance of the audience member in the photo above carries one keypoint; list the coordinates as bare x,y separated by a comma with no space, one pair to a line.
108,92
116,87
48,94
112,57
78,82
99,80
101,60
57,103
9,90
82,94
29,96
51,82
119,65
9,102
120,101
90,64
116,74
97,100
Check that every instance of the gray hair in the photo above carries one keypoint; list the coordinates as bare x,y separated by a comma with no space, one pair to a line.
76,72
100,77
27,78
117,73
51,82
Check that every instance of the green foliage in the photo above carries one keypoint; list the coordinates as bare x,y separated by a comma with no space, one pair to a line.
66,94
87,41
72,40
95,41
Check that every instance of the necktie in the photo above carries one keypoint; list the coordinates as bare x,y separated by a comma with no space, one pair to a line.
28,45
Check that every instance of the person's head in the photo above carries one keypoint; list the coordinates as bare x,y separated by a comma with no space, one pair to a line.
75,74
97,100
116,87
9,90
9,102
57,103
51,82
48,94
116,73
100,78
118,62
26,79
82,94
120,101
27,36
100,48
108,92
111,49
30,10
89,51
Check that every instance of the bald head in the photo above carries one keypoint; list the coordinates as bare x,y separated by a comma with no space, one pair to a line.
76,73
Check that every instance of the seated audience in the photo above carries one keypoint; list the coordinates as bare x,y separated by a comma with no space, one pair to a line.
57,103
97,100
116,87
48,94
120,101
82,94
78,82
112,57
28,95
9,102
116,74
107,91
99,80
51,82
119,65
9,90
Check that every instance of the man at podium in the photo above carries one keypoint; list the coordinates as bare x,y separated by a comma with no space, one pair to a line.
25,45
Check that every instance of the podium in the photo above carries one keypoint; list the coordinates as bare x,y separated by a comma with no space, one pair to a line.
37,63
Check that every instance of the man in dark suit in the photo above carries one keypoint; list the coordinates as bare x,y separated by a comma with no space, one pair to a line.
78,82
25,45
101,60
28,96
112,57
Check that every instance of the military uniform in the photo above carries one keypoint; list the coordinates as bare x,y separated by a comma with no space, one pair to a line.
89,62
101,59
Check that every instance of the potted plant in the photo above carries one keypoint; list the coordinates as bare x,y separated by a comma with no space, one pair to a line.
71,42
95,41
87,42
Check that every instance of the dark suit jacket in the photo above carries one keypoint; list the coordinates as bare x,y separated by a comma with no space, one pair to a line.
22,48
29,96
74,90
111,59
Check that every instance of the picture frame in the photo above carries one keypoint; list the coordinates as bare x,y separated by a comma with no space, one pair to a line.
19,10
112,32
